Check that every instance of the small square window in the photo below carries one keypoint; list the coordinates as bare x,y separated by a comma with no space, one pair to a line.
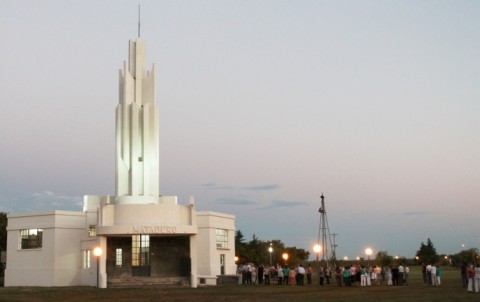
222,238
92,231
30,239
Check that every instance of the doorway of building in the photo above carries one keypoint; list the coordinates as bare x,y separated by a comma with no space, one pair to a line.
141,255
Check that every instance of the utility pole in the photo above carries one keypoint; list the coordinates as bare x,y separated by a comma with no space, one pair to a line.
334,247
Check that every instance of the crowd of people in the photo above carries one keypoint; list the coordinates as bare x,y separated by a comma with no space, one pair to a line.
354,275
431,274
362,275
471,277
275,274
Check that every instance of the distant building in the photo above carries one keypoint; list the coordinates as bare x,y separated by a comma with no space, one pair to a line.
145,238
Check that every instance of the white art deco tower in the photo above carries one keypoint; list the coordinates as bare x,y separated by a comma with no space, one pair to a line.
144,238
137,131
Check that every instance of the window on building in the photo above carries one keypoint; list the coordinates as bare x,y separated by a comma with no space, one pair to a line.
140,250
30,239
118,258
222,238
92,231
222,264
86,259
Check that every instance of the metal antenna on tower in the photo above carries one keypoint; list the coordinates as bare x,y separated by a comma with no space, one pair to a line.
139,20
324,233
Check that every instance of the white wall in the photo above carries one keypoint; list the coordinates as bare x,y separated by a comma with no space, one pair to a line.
208,253
58,261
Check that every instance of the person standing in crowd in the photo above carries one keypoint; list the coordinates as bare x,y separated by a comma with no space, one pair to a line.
301,274
424,273
394,270
401,272
249,273
357,274
260,274
476,271
407,271
438,276
378,274
321,275
309,274
286,274
292,276
338,275
244,271
429,274
266,275
389,275
363,276
280,274
463,274
253,274
383,273
369,275
328,274
433,272
373,276
353,272
470,276
346,276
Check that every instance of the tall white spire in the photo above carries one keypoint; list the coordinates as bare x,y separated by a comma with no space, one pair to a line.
137,131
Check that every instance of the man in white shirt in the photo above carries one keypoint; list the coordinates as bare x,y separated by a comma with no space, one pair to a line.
407,270
301,273
433,273
401,274
429,275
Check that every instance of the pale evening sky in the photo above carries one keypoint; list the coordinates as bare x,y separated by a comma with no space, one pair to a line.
264,105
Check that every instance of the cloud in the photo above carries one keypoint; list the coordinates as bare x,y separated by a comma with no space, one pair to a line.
208,185
417,213
41,201
263,187
235,201
214,186
283,204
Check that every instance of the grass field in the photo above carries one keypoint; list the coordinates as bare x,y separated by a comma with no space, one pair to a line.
451,290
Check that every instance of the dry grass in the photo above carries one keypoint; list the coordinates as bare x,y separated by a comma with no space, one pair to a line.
451,290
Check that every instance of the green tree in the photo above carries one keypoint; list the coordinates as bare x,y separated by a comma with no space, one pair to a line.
239,238
383,258
467,256
427,253
257,251
240,246
3,238
3,231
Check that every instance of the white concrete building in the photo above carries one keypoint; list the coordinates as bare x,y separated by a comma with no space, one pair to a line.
145,238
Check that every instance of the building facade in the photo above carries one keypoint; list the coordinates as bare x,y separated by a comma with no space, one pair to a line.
145,238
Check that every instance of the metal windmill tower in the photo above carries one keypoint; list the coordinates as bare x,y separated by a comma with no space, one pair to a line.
324,239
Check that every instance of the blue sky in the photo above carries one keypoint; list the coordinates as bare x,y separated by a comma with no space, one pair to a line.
264,106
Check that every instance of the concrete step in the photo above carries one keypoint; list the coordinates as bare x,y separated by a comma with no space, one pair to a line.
148,281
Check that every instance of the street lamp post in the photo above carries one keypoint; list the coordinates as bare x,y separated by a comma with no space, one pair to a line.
98,252
270,250
317,249
368,251
285,258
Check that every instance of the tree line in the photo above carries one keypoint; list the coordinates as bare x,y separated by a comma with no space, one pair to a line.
427,254
257,251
